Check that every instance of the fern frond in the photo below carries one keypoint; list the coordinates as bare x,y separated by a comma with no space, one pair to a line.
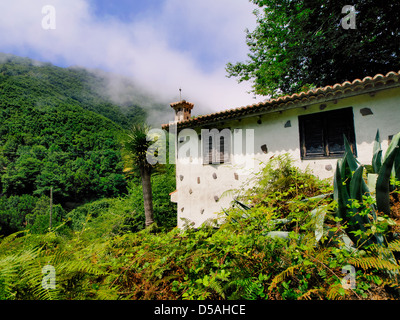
12,270
373,262
66,264
108,294
394,245
23,273
306,296
336,292
216,286
323,255
391,284
248,288
229,193
283,275
8,242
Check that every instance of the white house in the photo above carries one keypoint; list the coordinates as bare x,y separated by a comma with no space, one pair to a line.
218,152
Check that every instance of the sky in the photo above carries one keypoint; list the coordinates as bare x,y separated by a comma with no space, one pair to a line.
162,45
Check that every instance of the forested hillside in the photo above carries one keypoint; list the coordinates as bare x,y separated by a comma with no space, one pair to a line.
26,83
57,131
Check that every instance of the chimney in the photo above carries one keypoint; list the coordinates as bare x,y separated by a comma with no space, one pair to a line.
183,110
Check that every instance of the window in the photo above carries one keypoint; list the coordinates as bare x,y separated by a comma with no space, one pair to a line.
216,146
321,134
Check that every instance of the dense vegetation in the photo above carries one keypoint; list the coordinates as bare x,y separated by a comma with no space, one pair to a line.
59,132
270,245
234,258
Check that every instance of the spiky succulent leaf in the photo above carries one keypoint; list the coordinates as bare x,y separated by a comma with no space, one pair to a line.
339,191
383,181
377,153
351,160
356,184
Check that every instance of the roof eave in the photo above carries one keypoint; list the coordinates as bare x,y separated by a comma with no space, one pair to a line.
319,95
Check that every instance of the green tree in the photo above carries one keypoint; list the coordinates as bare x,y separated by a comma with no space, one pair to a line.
136,147
38,221
301,43
13,212
20,176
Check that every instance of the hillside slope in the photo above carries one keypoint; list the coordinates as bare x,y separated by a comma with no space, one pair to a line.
59,132
24,82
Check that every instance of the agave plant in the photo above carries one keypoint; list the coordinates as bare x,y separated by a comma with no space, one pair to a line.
350,191
350,187
386,168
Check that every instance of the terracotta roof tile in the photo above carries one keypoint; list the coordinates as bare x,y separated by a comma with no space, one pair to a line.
311,96
182,102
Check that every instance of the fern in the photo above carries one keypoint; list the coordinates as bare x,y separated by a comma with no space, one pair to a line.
21,264
12,270
66,263
248,288
307,295
217,287
9,242
283,275
253,291
394,245
336,292
373,262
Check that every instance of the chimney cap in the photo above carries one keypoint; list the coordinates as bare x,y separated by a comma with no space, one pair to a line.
182,104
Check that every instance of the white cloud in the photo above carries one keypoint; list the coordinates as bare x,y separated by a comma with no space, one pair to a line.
161,51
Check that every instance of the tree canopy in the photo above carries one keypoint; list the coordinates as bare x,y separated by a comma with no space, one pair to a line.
56,131
298,44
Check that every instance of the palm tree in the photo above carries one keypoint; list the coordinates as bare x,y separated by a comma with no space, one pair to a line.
136,147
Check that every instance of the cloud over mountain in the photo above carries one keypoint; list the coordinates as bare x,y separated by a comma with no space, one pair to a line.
180,44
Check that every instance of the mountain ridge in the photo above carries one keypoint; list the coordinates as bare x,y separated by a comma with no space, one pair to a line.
60,133
24,81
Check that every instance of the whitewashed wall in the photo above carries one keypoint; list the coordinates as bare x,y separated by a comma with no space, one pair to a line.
200,187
